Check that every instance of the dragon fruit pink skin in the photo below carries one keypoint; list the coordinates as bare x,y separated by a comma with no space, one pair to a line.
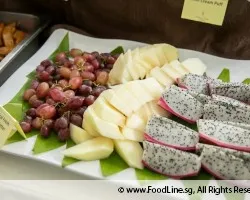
224,163
170,162
163,131
224,135
180,103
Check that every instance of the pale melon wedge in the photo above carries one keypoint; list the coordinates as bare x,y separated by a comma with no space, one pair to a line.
139,92
134,72
108,113
137,65
143,112
173,74
194,66
176,65
116,101
104,128
89,125
161,77
157,110
78,135
93,149
127,97
153,87
170,51
116,73
160,54
132,134
130,151
135,121
149,56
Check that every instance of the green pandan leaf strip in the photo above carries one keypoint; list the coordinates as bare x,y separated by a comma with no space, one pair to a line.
67,160
15,110
32,75
144,175
246,81
117,50
112,165
63,47
225,75
43,145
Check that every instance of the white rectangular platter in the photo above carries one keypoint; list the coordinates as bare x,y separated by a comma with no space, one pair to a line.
239,71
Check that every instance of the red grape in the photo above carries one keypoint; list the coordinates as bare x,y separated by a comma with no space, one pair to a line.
79,61
73,67
50,101
109,66
61,57
80,111
88,56
40,68
61,123
95,53
42,90
102,65
68,63
45,131
37,123
89,100
57,77
102,78
62,110
88,76
57,95
51,70
27,119
75,52
88,67
25,126
57,87
46,111
28,94
63,134
85,90
31,112
46,63
49,123
87,82
75,103
98,90
95,63
76,120
34,84
44,76
75,82
110,60
35,102
69,93
74,73
65,72
63,83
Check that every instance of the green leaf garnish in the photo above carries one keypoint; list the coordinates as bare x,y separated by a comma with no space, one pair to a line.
146,174
63,47
112,165
246,81
32,75
67,160
225,75
47,144
117,50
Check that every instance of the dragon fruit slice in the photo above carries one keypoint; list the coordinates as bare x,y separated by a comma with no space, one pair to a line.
204,99
166,132
180,103
198,83
227,101
170,162
239,91
226,113
224,163
224,135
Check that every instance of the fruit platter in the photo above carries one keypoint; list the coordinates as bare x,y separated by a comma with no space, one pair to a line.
119,109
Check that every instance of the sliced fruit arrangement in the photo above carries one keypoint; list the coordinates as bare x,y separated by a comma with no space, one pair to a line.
158,61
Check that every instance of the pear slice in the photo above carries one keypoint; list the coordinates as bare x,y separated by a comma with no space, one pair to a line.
135,121
155,109
104,128
194,66
139,92
176,65
89,125
160,54
132,134
143,111
142,70
173,74
115,74
130,151
170,52
94,149
153,87
149,56
107,112
127,97
116,101
161,77
78,135
134,72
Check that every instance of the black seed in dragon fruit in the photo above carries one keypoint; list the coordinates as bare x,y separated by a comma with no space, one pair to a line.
167,132
224,163
224,135
169,161
204,99
180,103
226,113
197,83
238,91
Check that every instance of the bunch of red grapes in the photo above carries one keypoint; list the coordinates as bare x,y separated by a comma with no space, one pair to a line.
63,90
